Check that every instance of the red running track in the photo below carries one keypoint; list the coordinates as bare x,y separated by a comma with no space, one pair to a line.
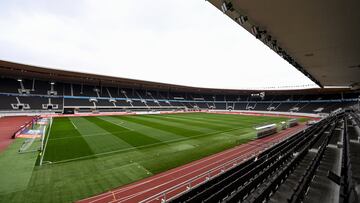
151,189
10,125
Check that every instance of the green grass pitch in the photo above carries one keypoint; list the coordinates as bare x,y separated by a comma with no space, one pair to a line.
85,156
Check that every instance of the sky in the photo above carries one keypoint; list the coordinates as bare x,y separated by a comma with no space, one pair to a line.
184,42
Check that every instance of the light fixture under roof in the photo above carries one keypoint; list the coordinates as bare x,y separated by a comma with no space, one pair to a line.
226,6
241,19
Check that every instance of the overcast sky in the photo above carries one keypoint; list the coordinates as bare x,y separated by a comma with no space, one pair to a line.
186,42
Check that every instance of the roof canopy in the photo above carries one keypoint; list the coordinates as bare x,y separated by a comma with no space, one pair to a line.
17,70
320,38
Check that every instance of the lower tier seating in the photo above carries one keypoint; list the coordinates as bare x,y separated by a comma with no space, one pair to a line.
40,102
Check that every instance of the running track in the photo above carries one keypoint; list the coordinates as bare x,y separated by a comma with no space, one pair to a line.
10,125
152,189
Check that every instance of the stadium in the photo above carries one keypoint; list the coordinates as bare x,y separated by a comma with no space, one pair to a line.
70,136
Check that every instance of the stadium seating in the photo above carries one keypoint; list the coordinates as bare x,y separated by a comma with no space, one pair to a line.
77,102
221,106
6,101
36,93
262,106
240,106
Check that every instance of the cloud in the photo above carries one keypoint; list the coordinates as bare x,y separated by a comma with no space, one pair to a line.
179,42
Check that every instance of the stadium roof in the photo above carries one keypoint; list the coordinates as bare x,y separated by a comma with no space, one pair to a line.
320,38
17,70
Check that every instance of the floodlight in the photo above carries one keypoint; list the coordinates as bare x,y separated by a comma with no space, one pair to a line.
255,30
241,19
224,7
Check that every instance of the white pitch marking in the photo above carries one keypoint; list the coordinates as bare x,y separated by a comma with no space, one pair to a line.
73,124
47,139
118,124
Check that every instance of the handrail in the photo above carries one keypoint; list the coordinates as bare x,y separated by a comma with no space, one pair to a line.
346,186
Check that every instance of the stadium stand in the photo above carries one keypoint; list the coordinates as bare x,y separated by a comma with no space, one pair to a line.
318,163
280,173
54,95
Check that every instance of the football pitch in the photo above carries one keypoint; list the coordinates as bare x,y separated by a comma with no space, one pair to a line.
85,156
